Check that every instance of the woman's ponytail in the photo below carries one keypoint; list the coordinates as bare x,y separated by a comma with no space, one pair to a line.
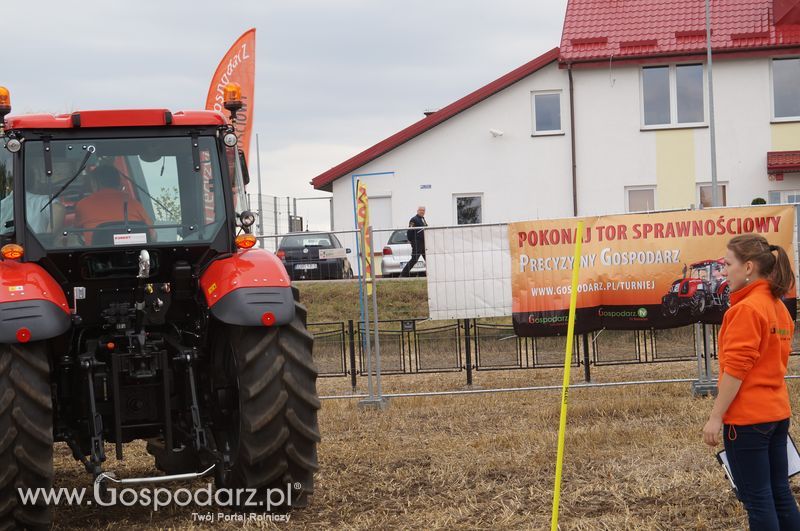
781,280
773,262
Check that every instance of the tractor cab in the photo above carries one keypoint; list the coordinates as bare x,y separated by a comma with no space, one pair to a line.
708,274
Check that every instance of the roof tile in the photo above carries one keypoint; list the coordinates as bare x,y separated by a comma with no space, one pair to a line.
678,26
783,161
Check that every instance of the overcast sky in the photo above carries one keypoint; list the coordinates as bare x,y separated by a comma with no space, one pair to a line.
333,77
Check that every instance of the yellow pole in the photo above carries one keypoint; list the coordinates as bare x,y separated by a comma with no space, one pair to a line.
562,427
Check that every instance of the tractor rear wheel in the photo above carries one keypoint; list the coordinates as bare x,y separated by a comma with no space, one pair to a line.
26,434
267,420
725,298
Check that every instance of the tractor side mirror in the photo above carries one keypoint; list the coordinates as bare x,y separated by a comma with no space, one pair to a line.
243,165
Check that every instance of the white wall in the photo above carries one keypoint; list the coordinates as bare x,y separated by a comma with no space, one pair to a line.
613,152
524,177
520,176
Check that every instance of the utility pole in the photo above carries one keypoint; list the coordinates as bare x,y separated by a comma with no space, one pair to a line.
711,128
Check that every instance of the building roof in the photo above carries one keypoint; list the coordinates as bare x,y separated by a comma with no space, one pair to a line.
596,30
324,180
783,162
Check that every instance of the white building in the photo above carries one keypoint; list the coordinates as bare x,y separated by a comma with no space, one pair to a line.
630,78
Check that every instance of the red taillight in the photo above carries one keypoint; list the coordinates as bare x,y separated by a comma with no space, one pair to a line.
268,318
281,254
23,335
387,251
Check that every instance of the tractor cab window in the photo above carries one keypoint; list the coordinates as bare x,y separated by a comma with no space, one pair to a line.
6,187
115,192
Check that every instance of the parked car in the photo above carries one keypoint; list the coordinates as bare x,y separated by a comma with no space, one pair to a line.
314,255
703,288
397,253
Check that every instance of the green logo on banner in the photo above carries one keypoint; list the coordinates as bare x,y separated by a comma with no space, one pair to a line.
642,312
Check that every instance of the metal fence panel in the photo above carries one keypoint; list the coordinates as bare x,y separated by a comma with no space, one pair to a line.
437,349
676,344
394,348
549,351
497,347
615,347
330,348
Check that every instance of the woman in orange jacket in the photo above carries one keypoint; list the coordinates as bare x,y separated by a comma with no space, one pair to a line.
752,406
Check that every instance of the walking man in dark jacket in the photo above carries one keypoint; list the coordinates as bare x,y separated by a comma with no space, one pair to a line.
416,237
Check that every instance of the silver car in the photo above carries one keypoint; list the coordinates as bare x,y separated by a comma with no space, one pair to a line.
397,253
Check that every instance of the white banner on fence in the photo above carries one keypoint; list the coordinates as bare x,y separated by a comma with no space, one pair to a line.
469,272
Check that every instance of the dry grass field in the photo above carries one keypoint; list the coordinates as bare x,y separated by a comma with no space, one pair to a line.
634,459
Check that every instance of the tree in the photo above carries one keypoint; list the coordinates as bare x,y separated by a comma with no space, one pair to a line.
167,205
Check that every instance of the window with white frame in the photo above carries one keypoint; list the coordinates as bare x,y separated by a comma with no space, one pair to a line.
673,95
468,209
640,199
705,195
780,197
546,107
786,88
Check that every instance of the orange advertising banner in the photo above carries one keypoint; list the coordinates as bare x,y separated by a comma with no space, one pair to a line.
238,66
363,224
638,271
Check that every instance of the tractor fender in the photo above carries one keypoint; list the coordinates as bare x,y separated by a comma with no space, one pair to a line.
31,300
249,288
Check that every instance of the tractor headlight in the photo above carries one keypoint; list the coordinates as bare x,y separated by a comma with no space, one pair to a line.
13,145
247,218
230,139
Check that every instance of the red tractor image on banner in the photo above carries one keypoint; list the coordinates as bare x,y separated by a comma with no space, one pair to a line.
704,288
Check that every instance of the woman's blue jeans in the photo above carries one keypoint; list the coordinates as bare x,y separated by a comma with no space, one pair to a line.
757,457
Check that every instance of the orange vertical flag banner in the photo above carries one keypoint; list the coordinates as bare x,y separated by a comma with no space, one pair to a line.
238,66
363,224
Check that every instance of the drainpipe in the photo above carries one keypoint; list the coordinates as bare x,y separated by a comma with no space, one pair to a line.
572,141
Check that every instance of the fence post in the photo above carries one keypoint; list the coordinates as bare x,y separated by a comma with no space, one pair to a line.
275,210
704,385
352,335
468,352
587,371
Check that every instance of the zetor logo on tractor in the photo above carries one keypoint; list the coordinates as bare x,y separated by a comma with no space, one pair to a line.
705,287
133,306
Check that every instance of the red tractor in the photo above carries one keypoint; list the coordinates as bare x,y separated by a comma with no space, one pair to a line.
704,287
133,305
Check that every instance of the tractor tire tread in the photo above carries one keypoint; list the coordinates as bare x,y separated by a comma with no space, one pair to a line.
278,427
26,422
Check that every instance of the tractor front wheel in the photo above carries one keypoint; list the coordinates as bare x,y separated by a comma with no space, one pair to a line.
266,414
670,307
26,434
698,304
